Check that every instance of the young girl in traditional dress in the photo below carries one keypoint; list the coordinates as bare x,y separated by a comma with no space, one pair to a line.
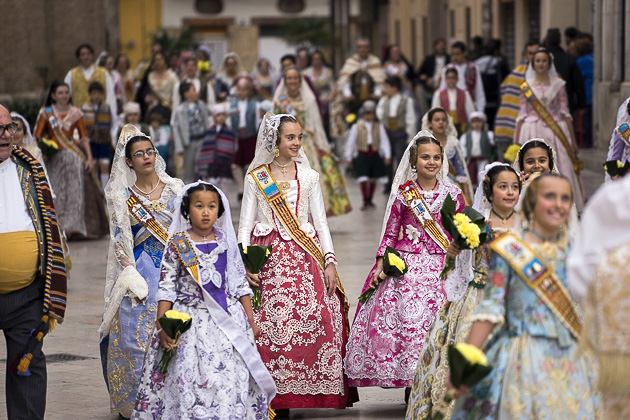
496,198
527,322
544,113
215,372
389,329
78,198
440,125
303,312
138,187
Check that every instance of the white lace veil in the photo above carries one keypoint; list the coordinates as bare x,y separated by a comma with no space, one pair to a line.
555,82
313,120
481,203
122,278
235,267
404,173
266,142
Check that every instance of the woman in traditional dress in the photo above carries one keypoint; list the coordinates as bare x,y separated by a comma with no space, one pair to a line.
527,322
440,124
544,113
122,71
293,96
389,328
323,80
495,198
78,198
138,186
303,312
264,78
396,64
155,93
215,372
24,138
229,70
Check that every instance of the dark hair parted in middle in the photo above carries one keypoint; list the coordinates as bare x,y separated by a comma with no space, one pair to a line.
491,179
283,120
533,145
185,207
413,150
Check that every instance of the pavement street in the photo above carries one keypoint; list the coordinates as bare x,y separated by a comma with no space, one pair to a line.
76,389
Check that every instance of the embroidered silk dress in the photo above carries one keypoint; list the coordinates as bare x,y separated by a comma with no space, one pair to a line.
452,326
78,199
536,372
303,329
554,98
206,378
388,333
132,325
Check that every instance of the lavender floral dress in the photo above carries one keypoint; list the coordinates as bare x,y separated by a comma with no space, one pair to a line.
207,378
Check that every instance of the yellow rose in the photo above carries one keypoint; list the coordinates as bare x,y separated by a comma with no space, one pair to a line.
203,66
460,219
511,152
397,262
173,314
619,164
245,250
350,118
50,143
267,253
472,354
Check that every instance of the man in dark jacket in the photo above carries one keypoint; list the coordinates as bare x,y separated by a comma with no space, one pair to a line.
567,68
431,68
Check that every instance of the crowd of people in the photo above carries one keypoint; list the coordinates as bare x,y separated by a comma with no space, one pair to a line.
262,342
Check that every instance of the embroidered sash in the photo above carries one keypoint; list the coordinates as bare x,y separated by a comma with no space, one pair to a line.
224,321
624,133
551,123
423,215
540,277
61,136
146,218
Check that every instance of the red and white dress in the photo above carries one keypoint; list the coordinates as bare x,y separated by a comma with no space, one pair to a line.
303,329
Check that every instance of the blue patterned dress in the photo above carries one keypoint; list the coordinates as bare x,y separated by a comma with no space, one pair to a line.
536,374
132,326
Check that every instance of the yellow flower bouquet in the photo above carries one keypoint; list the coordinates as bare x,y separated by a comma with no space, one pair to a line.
48,147
174,324
468,229
254,257
393,265
468,366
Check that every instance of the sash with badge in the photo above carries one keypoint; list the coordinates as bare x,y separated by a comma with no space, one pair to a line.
224,321
540,277
544,114
624,132
146,218
414,200
276,200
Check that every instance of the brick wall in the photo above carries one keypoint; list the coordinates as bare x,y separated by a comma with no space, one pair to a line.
40,36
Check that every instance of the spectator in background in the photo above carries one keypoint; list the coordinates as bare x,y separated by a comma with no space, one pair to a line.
396,113
361,78
229,71
79,78
303,58
122,72
160,133
567,68
477,49
189,124
97,117
494,68
570,34
323,83
430,71
156,88
287,61
505,121
205,89
457,102
584,49
264,78
469,75
396,64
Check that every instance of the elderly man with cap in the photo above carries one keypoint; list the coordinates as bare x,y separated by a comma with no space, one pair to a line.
368,151
32,273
